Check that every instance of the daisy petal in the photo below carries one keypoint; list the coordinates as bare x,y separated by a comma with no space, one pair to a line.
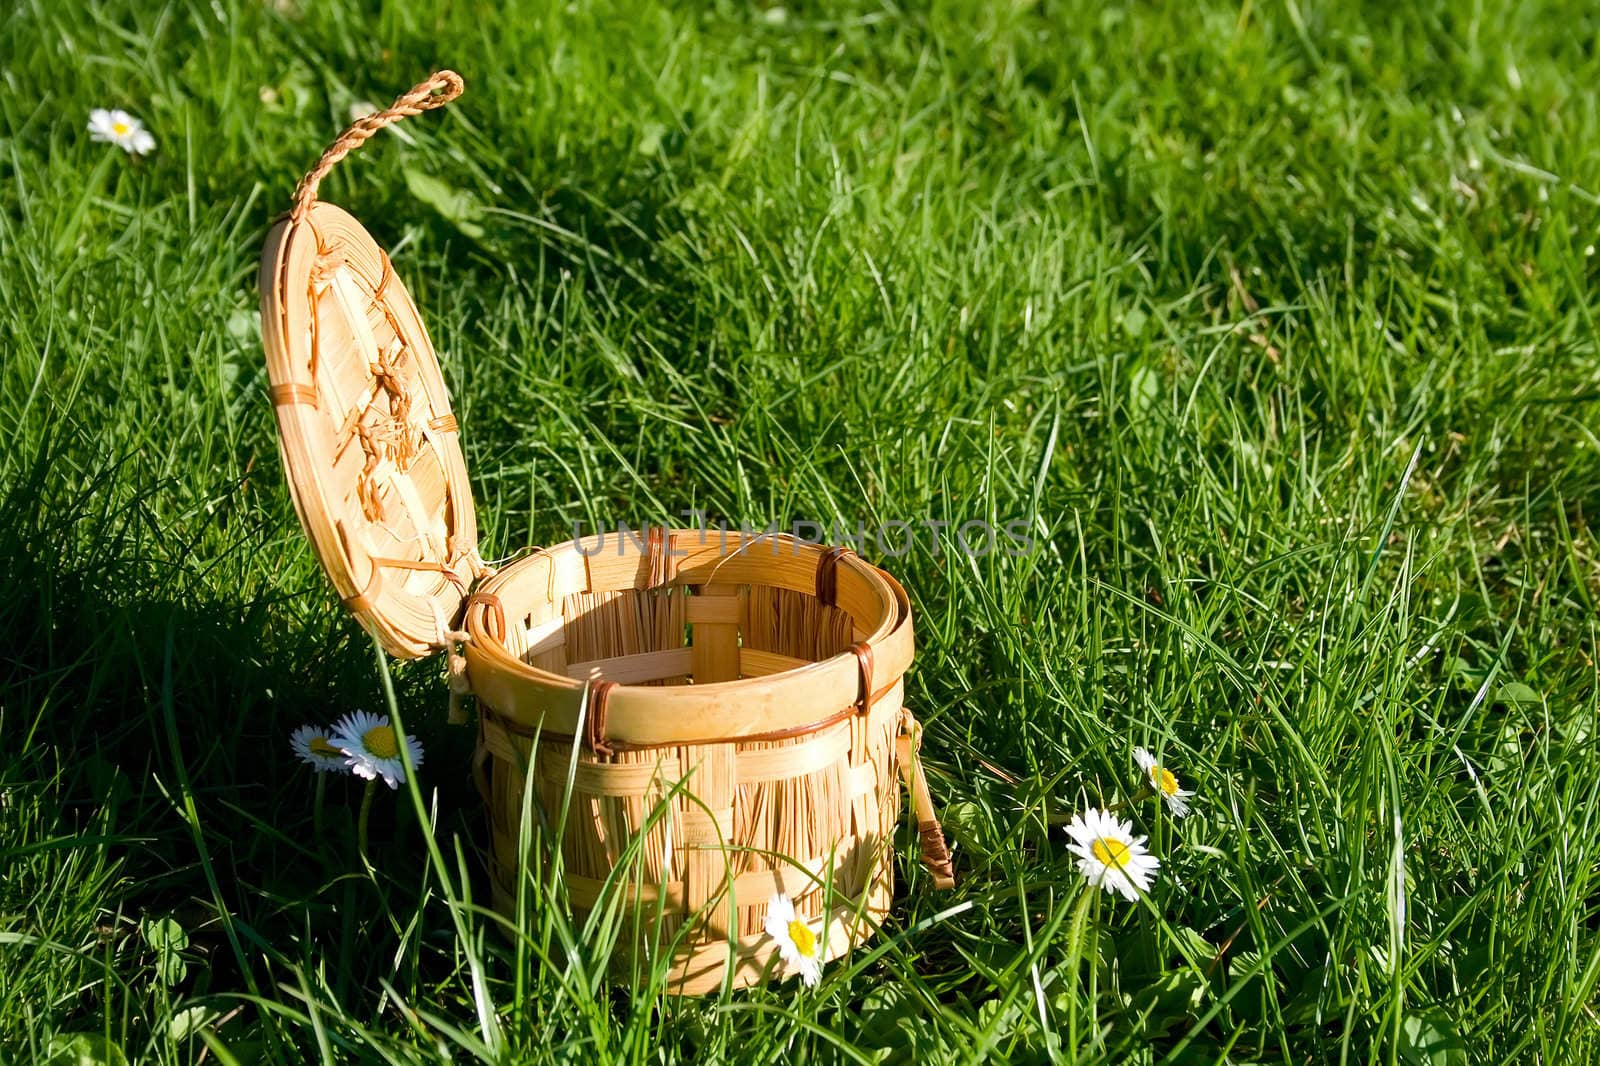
1110,857
372,747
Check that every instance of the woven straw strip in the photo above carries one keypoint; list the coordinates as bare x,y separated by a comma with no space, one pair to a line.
363,600
713,610
797,760
753,662
350,298
385,275
617,780
424,564
406,489
714,633
706,830
702,828
794,879
294,392
518,729
630,780
498,742
544,637
633,669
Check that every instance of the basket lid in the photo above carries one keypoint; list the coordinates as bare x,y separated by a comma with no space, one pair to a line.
368,440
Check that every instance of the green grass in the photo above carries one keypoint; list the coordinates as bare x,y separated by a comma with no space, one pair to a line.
1275,323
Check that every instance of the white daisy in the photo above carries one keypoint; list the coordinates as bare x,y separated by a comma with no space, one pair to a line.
1164,782
372,748
797,942
1109,855
314,745
121,129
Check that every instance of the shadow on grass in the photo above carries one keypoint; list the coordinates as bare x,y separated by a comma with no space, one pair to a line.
147,706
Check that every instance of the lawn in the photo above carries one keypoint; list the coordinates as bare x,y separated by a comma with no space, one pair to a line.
1272,324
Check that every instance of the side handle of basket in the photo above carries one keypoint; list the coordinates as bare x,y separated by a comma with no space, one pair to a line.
443,87
935,855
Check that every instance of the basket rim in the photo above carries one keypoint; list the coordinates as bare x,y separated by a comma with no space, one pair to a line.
667,715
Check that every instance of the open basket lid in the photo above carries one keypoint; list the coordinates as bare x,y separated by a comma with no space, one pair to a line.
368,440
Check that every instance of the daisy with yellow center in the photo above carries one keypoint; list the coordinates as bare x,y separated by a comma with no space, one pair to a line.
1109,855
121,129
1164,782
797,942
371,747
315,747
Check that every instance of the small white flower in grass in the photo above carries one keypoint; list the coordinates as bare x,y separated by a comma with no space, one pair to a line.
797,943
314,745
372,747
1109,855
1164,782
121,129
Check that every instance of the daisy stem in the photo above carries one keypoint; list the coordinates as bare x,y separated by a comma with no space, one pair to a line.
316,810
361,821
1094,969
1133,800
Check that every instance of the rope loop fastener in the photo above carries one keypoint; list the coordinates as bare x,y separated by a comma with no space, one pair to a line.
863,653
443,87
494,613
455,641
594,726
935,853
828,575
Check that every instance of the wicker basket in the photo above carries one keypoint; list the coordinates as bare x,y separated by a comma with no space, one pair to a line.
735,701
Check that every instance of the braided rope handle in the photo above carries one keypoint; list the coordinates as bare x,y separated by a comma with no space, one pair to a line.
443,87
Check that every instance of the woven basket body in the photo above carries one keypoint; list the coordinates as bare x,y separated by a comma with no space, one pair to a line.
718,715
750,748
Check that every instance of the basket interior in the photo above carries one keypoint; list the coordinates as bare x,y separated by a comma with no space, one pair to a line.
725,612
592,623
681,635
